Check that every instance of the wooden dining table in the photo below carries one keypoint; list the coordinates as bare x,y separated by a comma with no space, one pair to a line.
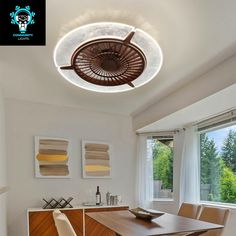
123,223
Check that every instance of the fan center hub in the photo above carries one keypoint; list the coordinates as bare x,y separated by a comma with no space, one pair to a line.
110,63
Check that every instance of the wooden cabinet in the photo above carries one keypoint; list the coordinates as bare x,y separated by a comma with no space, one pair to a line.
41,223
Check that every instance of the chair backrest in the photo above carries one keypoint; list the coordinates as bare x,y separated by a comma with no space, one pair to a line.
63,225
189,210
214,215
56,213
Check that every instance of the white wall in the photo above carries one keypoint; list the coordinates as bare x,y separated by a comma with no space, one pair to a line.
220,77
24,120
3,225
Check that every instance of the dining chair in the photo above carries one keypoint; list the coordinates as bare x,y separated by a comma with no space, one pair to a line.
189,210
63,225
56,213
214,215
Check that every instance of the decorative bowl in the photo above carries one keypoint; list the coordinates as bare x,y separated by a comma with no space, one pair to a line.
146,214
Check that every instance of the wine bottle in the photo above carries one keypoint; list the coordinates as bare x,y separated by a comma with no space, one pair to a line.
98,197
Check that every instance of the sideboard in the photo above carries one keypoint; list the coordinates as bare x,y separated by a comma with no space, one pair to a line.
40,221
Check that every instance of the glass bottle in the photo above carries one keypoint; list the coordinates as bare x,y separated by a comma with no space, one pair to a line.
98,197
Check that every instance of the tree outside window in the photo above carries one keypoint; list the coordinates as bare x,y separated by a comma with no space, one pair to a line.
218,165
163,167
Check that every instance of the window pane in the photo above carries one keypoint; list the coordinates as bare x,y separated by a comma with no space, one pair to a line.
218,165
163,168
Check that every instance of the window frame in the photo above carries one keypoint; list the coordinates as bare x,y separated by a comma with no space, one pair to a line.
213,203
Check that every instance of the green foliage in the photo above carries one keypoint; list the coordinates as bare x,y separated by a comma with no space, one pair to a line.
163,164
210,166
229,150
219,170
228,186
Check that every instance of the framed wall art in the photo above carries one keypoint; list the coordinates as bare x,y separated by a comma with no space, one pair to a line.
52,158
96,159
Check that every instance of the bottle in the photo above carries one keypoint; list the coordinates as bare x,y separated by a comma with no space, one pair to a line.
98,197
108,198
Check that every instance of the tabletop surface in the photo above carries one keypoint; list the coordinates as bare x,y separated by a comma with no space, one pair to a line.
124,223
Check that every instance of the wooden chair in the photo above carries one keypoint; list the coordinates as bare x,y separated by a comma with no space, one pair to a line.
63,225
189,210
214,215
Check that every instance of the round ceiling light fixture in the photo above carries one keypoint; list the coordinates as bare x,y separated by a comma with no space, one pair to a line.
108,57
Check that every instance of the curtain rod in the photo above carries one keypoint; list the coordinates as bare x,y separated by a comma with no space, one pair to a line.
159,132
218,115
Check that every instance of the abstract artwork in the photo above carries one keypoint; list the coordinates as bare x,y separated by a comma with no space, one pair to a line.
51,158
96,157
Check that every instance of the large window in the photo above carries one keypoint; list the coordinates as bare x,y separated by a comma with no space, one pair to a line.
218,165
162,155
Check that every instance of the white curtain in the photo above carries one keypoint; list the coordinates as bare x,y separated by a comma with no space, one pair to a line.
190,168
144,176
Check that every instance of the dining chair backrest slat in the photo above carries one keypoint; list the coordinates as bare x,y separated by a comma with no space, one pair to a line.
189,210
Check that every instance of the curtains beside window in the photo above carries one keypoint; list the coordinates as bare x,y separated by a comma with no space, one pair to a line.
190,167
144,176
189,182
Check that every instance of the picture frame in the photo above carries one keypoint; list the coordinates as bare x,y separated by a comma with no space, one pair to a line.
96,159
52,157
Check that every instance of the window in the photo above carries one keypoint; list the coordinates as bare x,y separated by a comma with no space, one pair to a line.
162,157
218,164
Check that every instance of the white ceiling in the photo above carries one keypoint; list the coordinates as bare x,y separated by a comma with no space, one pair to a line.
194,35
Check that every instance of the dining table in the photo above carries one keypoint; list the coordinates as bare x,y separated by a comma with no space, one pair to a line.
124,223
